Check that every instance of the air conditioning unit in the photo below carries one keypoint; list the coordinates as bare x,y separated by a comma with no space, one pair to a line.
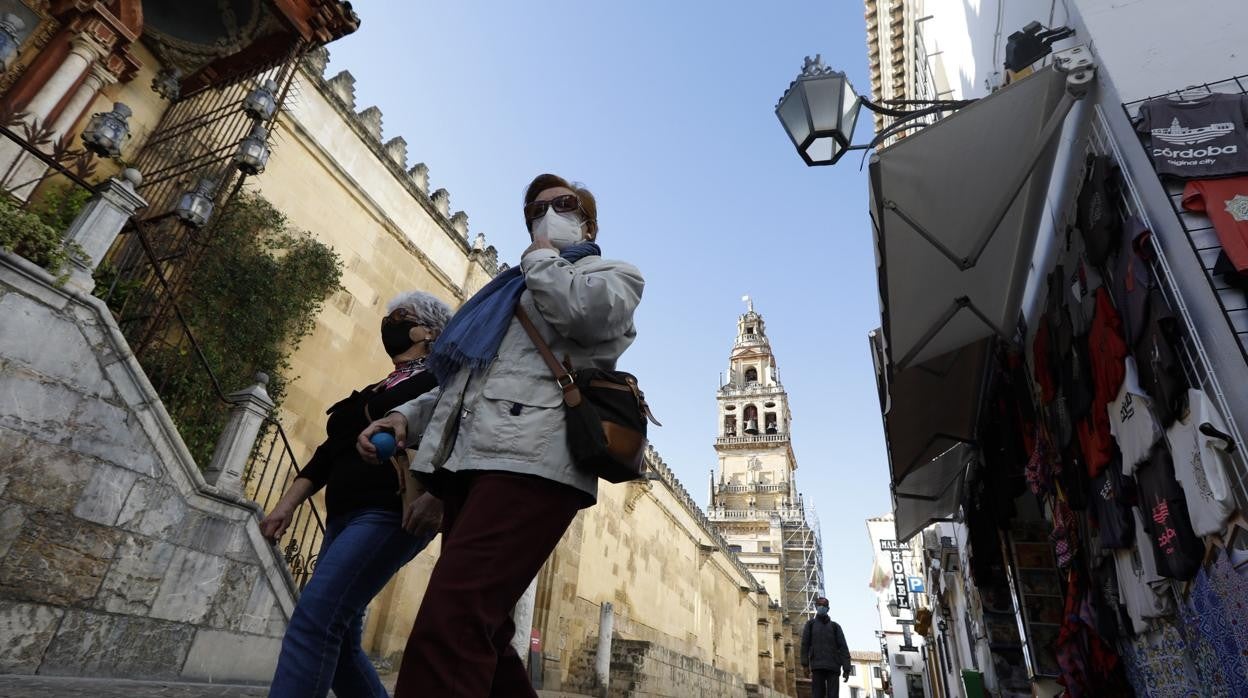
901,659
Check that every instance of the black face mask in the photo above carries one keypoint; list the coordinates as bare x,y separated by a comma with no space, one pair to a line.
396,337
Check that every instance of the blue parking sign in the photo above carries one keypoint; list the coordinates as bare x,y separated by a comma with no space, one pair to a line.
916,585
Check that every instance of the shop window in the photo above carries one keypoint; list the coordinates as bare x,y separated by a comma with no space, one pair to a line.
770,422
751,375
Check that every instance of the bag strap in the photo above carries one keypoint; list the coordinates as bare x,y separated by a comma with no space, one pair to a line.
563,377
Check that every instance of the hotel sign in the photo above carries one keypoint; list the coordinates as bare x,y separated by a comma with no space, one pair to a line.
901,588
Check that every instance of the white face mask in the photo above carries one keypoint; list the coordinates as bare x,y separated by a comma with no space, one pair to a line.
562,229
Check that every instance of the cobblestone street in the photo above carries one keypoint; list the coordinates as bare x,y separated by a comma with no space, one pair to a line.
56,687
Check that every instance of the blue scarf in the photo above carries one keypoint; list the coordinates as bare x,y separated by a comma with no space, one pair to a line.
472,336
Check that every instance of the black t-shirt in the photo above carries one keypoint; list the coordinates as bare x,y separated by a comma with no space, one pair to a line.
1197,138
351,483
1112,505
1178,549
1156,357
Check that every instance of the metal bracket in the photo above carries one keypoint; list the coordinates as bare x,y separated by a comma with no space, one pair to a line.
1079,67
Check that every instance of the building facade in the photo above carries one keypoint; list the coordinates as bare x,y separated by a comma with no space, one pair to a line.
755,503
1033,585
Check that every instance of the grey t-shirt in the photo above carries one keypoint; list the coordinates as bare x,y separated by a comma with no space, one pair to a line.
1197,139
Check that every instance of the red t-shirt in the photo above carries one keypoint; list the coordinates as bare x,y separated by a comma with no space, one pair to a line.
1108,353
1225,201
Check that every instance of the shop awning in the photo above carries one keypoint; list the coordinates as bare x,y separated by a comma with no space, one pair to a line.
933,407
930,426
931,493
956,208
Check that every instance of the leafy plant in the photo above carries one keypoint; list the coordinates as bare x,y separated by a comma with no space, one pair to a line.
28,235
250,299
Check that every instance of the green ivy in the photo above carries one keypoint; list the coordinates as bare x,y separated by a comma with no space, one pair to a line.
38,232
252,297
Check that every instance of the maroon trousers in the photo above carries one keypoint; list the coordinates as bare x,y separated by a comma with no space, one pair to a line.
498,529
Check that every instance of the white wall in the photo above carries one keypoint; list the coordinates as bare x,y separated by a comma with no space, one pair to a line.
1149,47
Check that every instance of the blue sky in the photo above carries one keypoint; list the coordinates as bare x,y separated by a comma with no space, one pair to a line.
665,110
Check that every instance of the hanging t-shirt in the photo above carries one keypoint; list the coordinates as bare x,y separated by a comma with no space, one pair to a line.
1225,201
1131,280
1112,507
1139,582
1106,351
1197,138
1200,463
1131,420
1095,209
1157,357
1177,548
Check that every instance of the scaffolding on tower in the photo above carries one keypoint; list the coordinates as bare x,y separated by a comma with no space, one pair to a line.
803,561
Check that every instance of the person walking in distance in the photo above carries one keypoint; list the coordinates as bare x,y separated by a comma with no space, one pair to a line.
824,652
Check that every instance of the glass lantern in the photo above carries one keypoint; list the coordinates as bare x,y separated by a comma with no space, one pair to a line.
107,131
195,206
253,151
168,84
11,27
819,112
261,103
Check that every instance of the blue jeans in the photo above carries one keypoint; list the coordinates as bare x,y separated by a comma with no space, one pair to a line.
360,553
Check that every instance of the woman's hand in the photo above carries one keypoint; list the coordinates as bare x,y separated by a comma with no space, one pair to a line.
540,242
275,524
394,422
422,515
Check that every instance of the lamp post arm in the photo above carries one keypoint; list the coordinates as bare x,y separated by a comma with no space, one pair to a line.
930,108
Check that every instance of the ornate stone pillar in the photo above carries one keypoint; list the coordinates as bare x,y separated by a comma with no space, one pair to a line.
229,458
98,225
19,169
97,78
84,50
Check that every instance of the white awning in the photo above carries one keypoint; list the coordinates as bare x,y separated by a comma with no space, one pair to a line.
956,208
931,493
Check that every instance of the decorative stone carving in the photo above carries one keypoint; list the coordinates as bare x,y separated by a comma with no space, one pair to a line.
343,87
420,176
396,148
370,119
479,243
459,222
99,223
442,202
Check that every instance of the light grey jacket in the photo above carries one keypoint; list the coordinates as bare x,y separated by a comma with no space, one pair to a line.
511,414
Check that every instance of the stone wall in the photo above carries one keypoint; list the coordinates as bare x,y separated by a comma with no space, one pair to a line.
647,549
116,558
642,669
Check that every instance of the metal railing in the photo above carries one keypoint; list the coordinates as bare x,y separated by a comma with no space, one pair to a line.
270,472
791,514
756,439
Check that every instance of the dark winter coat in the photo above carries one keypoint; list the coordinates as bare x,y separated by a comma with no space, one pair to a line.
823,645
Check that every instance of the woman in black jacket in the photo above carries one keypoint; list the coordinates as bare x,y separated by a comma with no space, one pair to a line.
368,533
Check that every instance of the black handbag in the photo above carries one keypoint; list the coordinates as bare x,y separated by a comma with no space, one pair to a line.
606,414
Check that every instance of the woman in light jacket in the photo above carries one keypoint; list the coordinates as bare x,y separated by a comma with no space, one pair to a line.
492,442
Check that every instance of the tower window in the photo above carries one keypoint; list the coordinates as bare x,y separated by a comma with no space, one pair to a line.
751,375
734,548
749,330
750,419
770,422
730,425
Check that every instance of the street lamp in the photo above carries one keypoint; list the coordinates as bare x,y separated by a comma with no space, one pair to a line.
195,206
820,110
261,103
253,152
893,609
168,84
106,131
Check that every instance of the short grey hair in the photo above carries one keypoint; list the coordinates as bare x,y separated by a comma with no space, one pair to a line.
423,307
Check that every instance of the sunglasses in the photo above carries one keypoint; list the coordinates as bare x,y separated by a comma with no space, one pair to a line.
562,204
401,316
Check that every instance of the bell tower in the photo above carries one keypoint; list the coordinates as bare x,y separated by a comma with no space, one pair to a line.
755,503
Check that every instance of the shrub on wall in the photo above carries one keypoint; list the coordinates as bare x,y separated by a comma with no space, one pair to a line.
251,297
37,232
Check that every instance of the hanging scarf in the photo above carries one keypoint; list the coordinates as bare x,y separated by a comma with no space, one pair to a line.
402,371
471,338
